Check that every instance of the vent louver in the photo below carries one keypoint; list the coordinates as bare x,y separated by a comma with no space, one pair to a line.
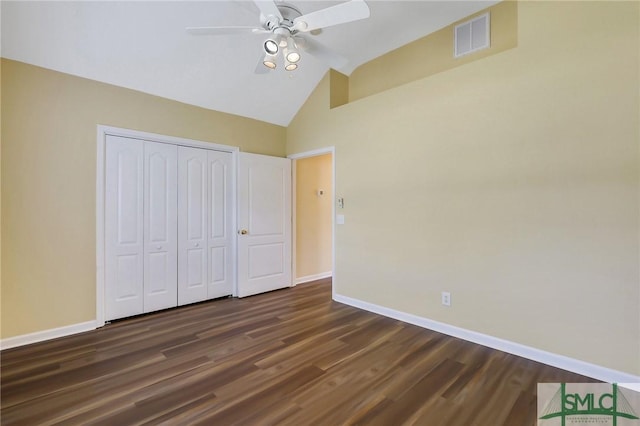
471,36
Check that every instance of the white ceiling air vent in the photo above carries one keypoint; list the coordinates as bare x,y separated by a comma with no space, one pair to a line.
471,36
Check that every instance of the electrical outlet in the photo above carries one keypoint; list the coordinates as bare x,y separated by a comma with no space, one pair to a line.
446,298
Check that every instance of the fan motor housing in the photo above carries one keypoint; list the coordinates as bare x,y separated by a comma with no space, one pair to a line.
289,13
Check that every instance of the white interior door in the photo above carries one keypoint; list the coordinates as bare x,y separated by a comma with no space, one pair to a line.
123,227
160,226
220,226
264,222
192,225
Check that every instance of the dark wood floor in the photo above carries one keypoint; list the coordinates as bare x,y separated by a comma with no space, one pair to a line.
288,357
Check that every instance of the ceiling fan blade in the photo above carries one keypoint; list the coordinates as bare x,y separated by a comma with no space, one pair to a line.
224,30
268,8
321,52
350,11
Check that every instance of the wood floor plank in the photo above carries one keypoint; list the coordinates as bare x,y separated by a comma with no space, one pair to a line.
72,401
288,357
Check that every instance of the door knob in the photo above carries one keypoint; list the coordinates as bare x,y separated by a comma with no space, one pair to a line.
197,244
243,232
159,247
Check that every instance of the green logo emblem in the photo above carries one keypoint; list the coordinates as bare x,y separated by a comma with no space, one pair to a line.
594,402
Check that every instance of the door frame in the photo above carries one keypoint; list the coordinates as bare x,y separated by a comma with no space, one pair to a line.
102,133
294,157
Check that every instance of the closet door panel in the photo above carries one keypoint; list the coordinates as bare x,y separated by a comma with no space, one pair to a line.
192,225
220,234
124,220
160,226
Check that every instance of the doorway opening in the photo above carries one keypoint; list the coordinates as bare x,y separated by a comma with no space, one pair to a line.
313,216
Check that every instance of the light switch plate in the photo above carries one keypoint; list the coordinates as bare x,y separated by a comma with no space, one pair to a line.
340,219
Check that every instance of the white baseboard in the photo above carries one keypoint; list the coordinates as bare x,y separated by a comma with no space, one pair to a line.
313,277
39,336
560,361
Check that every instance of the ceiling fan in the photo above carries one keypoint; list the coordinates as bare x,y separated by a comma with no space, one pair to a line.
285,29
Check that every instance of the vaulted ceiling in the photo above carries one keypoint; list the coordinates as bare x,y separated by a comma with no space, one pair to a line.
143,45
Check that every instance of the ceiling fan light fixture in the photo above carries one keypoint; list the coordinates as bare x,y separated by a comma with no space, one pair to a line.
292,56
282,22
271,47
269,61
291,53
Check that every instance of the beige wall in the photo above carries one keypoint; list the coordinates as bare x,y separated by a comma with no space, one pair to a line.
432,54
313,215
49,178
339,89
0,198
511,181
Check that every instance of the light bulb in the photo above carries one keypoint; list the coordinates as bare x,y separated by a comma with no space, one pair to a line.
293,56
271,47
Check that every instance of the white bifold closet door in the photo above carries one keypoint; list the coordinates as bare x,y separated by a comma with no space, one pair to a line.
140,232
205,258
160,230
169,236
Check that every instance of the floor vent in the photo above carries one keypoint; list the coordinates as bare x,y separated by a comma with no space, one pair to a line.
471,36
